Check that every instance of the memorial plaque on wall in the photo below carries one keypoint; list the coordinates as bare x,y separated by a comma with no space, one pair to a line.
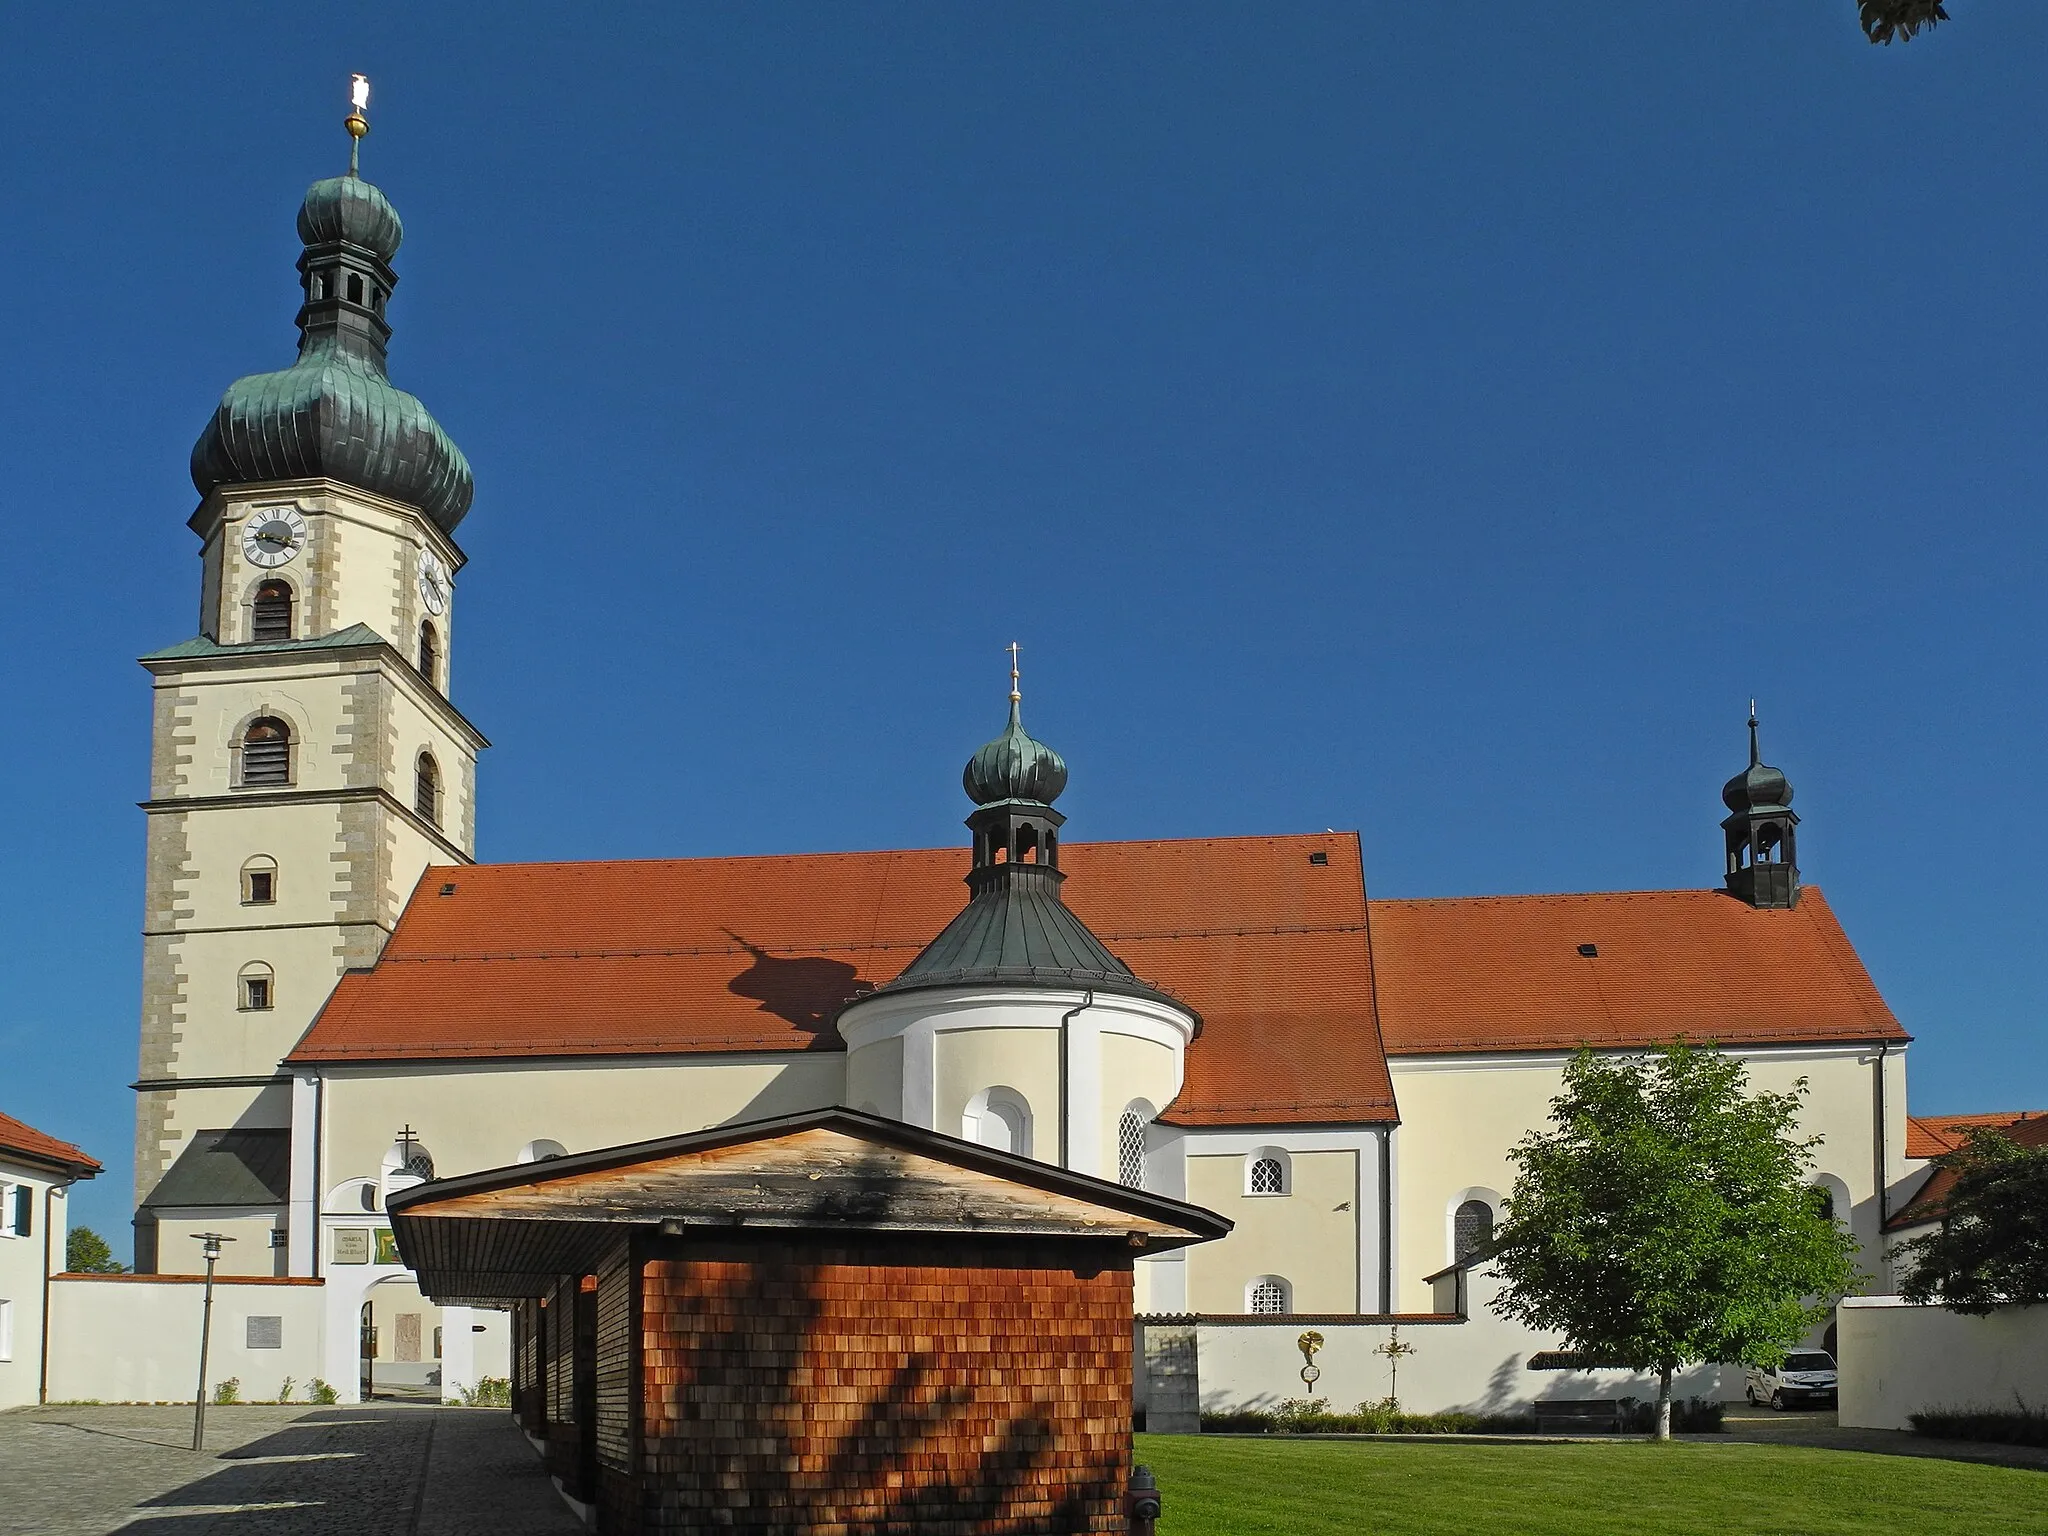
266,1333
351,1245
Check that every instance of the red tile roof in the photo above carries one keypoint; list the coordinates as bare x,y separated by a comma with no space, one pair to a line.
25,1141
1506,973
1928,1201
1932,1135
757,954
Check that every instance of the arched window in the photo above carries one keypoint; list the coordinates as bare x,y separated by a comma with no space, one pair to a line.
259,881
258,987
430,653
355,288
1472,1230
270,612
1268,1171
408,1155
1130,1147
540,1151
999,1118
426,789
267,752
1268,1295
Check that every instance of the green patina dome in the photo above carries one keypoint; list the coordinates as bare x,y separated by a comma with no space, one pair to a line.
1014,767
334,414
350,208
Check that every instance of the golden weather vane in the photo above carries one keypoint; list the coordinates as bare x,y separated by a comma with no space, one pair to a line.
357,123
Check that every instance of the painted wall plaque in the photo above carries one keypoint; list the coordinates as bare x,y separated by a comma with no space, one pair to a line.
351,1245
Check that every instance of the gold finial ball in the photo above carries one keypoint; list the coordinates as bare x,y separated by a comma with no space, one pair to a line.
356,124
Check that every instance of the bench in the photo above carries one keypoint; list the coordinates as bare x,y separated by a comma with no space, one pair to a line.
1577,1416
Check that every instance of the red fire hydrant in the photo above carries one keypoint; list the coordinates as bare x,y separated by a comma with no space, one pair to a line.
1143,1501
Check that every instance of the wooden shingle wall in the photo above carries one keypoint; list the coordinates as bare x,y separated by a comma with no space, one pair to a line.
943,1386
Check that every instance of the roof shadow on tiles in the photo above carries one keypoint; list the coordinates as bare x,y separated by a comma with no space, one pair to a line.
806,990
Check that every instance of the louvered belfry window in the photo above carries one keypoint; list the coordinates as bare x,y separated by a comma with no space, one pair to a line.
426,798
267,752
1130,1150
271,613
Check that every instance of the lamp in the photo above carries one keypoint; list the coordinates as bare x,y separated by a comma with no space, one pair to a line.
209,1246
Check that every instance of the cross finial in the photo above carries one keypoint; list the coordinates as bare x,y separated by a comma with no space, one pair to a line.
1013,648
1754,757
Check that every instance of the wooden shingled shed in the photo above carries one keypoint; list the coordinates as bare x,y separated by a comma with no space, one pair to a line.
827,1322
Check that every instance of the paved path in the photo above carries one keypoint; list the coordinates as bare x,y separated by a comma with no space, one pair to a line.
1819,1429
378,1470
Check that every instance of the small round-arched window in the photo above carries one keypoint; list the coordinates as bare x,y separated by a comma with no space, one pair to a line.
1000,1118
1266,1296
426,789
259,881
258,987
430,653
267,752
270,613
1268,1171
1473,1230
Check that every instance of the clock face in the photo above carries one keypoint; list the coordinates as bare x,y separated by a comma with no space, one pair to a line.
273,535
433,582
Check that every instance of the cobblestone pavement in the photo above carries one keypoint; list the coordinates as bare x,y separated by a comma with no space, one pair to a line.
1819,1428
377,1470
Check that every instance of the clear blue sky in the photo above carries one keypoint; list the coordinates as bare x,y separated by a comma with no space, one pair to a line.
1425,419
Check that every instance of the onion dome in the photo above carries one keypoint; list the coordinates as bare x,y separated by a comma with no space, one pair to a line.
352,209
1758,786
1015,766
334,414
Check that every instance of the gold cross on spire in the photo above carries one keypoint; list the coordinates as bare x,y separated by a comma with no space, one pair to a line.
1013,648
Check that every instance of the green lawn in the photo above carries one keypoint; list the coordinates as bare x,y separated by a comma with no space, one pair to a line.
1228,1487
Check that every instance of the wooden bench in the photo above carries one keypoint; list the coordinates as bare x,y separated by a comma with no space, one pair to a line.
1577,1416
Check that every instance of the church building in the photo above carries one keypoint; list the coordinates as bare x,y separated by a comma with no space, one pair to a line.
340,1003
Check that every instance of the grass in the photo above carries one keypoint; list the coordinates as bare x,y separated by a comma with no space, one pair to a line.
1219,1487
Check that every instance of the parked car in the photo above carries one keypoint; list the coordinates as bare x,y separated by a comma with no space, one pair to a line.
1806,1376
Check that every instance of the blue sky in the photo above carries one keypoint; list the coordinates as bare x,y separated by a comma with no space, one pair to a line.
1390,417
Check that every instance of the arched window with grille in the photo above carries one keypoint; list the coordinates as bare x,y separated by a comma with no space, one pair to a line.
1473,1230
1268,1171
270,612
430,653
1268,1296
1130,1145
426,789
267,752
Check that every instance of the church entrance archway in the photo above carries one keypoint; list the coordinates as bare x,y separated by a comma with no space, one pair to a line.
400,1339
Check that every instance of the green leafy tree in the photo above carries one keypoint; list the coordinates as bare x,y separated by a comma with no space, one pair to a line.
1884,20
87,1253
1992,1244
1666,1218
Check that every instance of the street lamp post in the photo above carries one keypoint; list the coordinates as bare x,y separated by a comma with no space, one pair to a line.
211,1242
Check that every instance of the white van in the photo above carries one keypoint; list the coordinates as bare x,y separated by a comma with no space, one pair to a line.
1807,1376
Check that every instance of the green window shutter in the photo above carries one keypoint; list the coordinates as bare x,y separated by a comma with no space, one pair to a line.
24,1209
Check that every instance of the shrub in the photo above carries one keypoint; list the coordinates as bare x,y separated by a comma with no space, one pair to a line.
229,1391
1311,1416
322,1392
284,1393
489,1392
2004,1426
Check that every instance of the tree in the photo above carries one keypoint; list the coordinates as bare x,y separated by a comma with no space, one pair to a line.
1992,1245
1667,1220
1885,19
87,1253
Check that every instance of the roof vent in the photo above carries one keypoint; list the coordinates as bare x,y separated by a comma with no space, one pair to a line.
1590,951
1319,857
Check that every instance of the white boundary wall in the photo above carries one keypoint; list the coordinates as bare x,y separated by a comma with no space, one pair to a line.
135,1338
1898,1359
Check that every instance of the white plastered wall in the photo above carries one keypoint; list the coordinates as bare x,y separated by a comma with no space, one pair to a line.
23,1263
119,1339
1897,1360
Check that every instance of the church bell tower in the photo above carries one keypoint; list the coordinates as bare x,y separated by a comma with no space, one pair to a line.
308,759
1763,867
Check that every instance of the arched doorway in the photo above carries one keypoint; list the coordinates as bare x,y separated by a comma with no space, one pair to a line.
399,1343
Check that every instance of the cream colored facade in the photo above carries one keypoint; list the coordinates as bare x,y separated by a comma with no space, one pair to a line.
343,839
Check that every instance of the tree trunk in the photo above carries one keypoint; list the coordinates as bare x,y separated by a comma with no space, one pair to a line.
1664,1404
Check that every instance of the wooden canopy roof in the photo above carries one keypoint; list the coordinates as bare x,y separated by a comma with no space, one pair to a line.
508,1233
